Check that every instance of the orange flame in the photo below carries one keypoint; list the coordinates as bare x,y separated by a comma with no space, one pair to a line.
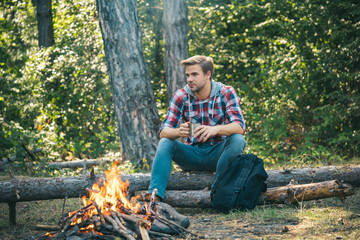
111,195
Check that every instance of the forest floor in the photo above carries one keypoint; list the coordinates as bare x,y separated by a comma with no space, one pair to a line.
321,219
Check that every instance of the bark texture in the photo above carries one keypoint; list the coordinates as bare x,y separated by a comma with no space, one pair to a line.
348,173
201,180
176,44
296,193
279,195
18,190
43,188
77,164
44,23
135,109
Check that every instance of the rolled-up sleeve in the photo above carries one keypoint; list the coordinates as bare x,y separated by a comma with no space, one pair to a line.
174,113
233,108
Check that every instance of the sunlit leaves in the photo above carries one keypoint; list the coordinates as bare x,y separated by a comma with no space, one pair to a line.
286,60
295,65
64,91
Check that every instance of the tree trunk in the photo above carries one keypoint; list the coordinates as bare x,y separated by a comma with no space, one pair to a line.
44,23
135,109
176,44
288,194
57,188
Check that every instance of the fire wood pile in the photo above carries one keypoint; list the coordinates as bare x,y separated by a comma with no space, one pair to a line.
109,214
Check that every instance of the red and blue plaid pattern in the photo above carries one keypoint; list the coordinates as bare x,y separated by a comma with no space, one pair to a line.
223,108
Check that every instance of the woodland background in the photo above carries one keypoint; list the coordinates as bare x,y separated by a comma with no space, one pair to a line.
294,64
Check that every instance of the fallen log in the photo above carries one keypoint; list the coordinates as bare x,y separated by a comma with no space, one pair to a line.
78,163
19,190
201,180
289,194
13,159
296,193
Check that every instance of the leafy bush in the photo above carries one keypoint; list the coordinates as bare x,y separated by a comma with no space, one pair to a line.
294,65
65,103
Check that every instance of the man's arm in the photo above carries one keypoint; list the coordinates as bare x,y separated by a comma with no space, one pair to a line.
229,129
173,133
205,132
233,111
169,127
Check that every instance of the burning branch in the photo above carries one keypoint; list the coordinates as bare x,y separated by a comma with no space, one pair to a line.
109,212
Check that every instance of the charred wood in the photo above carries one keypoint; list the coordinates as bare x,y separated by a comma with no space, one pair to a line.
116,228
160,235
176,227
67,225
99,212
117,220
112,227
73,230
143,232
135,219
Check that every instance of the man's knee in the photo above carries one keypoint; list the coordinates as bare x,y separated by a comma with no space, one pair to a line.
166,143
237,141
237,137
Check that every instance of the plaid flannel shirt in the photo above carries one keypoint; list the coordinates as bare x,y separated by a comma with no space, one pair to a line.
222,108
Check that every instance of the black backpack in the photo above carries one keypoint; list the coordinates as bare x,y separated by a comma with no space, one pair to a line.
240,184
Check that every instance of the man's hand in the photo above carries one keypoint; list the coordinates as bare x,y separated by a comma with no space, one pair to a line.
184,130
205,132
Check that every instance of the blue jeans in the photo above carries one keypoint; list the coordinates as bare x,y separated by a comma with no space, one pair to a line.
202,157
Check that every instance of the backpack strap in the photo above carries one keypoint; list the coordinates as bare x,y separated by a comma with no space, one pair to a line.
244,174
214,187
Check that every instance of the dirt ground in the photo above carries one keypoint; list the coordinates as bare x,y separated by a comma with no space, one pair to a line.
321,219
213,226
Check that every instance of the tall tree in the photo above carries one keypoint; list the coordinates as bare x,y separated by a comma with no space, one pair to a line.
175,24
44,21
133,97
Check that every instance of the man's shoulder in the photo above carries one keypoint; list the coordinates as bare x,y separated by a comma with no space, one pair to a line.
180,93
226,90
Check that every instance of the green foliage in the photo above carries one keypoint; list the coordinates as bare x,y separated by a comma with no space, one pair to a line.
150,17
15,40
294,65
63,101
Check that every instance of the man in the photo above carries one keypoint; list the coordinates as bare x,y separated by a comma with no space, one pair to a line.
219,137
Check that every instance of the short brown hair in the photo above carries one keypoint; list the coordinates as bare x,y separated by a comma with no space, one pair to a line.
205,62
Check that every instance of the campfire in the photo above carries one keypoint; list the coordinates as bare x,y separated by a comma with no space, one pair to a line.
108,213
